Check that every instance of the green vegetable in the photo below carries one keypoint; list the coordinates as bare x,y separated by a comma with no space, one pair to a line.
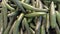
52,15
16,24
26,25
4,12
34,14
58,17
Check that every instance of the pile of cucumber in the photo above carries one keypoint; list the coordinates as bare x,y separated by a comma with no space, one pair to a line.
29,16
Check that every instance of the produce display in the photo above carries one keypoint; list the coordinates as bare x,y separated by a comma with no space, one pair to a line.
29,16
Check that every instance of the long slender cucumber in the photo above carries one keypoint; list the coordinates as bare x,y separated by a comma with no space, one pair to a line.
52,15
